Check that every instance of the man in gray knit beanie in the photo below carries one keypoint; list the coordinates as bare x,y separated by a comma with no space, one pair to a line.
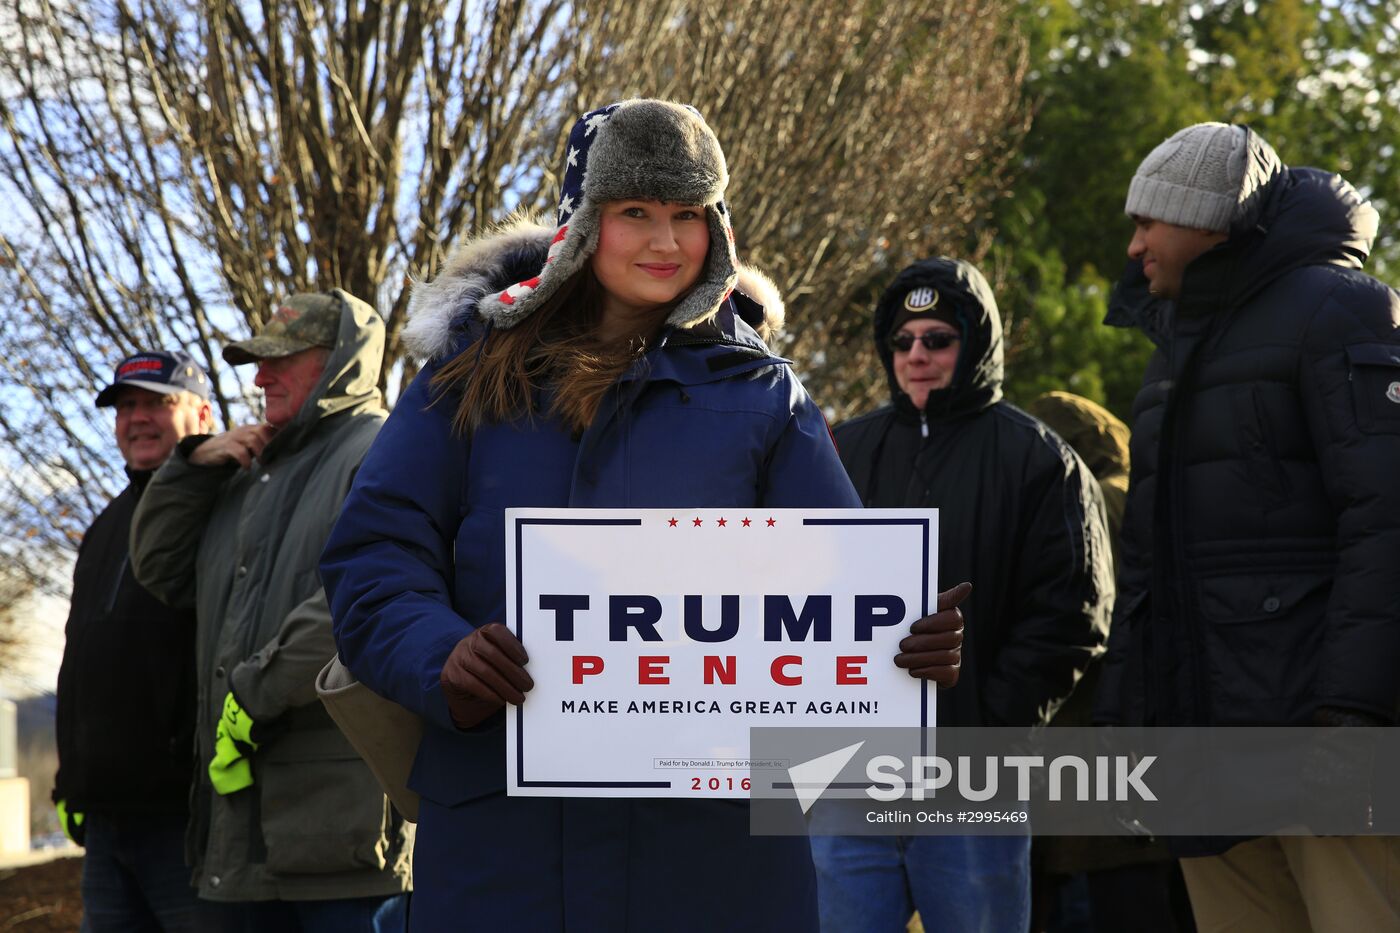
1188,193
1261,535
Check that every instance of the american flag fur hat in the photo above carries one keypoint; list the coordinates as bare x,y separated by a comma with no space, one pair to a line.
636,149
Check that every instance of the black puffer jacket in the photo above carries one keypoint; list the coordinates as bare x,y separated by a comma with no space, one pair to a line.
1261,566
126,686
1020,515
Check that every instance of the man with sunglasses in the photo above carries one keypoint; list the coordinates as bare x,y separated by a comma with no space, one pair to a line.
1021,516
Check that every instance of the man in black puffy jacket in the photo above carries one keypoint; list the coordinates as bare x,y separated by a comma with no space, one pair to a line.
1261,551
1022,517
126,686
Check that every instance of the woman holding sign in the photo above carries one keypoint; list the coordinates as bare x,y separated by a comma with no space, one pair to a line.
614,360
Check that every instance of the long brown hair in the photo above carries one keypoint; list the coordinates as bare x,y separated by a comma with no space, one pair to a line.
500,375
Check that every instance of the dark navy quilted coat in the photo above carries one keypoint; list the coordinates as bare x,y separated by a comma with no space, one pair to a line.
1261,572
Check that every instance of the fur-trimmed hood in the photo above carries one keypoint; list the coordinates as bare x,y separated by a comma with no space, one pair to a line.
439,309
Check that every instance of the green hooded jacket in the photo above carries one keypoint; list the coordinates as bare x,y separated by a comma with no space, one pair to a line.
1101,441
241,546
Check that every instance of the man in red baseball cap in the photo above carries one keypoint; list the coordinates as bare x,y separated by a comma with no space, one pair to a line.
126,696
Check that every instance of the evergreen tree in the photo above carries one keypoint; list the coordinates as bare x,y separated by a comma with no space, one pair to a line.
1109,80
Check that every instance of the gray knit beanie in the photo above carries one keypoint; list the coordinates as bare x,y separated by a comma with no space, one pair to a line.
1195,179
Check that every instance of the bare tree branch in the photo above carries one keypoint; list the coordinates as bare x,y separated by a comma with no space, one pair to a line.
175,165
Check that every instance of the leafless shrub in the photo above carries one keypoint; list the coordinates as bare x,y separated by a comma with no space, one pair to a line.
173,165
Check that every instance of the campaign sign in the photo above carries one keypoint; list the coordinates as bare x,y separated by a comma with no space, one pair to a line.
657,639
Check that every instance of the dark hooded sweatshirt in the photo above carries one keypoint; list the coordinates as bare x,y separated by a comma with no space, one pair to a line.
126,689
1020,515
1261,544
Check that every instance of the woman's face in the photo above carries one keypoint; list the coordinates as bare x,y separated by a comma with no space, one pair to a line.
649,253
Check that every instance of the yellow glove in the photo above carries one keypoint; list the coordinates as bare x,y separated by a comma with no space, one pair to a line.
71,821
230,771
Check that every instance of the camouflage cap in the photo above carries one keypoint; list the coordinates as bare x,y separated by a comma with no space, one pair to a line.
299,323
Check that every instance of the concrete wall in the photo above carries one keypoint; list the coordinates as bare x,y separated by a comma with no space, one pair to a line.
14,816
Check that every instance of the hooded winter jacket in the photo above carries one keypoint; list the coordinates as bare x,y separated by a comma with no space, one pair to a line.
126,686
1020,515
1262,537
708,418
241,545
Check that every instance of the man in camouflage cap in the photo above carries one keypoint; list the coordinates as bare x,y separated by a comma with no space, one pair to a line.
291,352
290,828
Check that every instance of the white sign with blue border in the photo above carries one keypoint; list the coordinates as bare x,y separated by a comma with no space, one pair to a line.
658,638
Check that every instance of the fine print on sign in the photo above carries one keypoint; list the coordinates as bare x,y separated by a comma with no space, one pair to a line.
657,639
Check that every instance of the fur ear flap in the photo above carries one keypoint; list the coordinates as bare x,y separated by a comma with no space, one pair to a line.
438,308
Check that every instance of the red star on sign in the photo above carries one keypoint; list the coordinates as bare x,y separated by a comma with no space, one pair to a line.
720,523
746,523
771,522
698,523
673,523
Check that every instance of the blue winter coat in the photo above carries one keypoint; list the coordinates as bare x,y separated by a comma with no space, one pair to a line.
708,418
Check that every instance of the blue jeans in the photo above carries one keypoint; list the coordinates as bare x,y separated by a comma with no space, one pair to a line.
384,914
134,875
959,884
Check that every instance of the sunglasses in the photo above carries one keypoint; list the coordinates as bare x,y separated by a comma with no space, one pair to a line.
903,341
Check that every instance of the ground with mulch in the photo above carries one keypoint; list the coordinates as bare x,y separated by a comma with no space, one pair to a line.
43,898
47,898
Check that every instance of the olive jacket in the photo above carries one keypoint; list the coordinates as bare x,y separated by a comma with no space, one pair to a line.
242,545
